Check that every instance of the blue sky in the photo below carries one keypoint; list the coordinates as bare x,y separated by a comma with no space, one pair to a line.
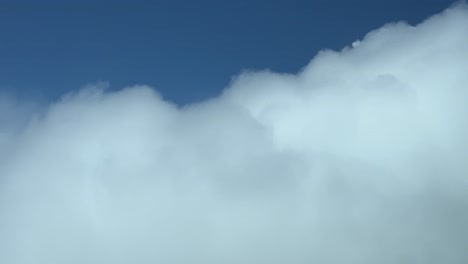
187,50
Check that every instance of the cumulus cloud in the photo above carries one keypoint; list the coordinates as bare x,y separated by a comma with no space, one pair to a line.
358,158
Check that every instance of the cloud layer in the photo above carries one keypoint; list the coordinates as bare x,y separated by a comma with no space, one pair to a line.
359,158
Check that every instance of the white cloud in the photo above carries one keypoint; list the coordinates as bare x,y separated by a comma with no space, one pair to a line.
359,158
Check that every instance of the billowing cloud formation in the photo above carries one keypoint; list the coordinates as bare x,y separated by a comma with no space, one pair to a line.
359,158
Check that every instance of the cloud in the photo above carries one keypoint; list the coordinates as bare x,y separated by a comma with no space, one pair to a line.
358,158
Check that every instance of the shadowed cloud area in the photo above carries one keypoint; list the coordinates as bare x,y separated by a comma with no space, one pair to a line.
358,158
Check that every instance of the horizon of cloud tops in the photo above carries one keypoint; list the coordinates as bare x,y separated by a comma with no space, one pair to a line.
360,158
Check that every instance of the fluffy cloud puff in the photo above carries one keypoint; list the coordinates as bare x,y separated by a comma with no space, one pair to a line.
358,158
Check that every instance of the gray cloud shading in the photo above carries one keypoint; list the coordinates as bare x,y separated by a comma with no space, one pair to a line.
361,157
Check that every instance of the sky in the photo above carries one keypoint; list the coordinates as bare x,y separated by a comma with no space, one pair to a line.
187,50
356,156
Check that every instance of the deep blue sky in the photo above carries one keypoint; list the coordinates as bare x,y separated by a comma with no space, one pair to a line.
188,50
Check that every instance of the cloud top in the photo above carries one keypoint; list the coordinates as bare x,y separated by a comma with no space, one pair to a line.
358,158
